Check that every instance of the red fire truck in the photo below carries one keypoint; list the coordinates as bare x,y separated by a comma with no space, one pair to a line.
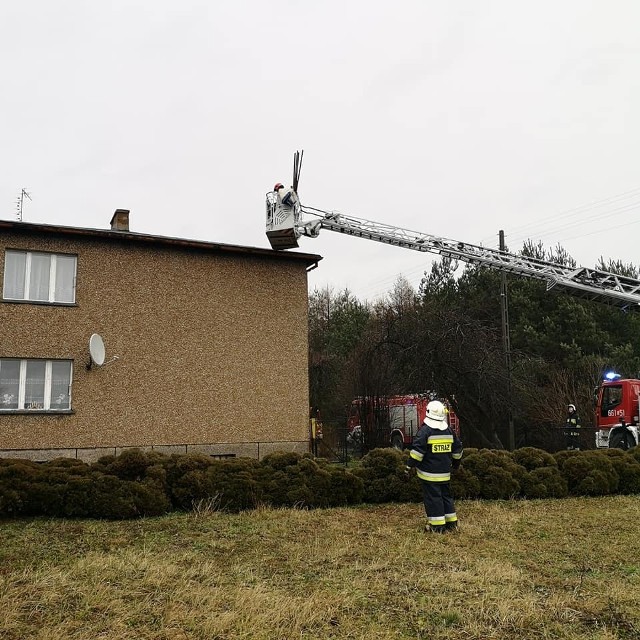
392,420
617,412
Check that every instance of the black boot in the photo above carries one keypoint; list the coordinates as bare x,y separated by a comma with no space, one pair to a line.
436,528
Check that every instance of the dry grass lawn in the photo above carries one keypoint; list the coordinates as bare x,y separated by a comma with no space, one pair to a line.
562,569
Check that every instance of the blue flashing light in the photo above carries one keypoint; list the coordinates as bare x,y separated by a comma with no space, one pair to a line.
612,375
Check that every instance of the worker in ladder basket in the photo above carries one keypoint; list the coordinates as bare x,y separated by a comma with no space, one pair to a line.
287,197
436,450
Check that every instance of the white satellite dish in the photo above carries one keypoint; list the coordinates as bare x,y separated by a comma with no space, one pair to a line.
96,349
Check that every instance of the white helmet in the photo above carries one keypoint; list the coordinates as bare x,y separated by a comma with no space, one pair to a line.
572,406
436,415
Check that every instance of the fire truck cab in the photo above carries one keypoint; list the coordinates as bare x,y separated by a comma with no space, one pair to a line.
617,412
397,418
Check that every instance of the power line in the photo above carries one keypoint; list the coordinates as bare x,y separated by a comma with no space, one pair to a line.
572,213
592,233
596,217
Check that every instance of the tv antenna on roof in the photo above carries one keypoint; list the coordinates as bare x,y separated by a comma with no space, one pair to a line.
20,203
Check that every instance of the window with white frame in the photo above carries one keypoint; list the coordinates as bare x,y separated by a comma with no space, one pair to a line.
35,385
39,277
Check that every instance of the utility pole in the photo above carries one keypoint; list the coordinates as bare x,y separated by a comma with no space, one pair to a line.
506,341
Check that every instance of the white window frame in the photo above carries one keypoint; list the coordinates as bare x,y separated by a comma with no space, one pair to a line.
53,261
48,382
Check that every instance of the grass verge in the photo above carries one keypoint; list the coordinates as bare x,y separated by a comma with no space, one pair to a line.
563,569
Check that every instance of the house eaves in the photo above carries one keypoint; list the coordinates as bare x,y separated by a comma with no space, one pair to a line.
310,259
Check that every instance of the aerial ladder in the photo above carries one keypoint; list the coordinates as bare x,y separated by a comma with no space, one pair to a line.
288,220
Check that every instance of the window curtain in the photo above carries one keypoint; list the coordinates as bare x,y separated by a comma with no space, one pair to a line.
39,282
65,273
15,266
9,384
61,385
34,386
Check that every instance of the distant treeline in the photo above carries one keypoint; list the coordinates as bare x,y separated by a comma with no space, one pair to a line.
448,337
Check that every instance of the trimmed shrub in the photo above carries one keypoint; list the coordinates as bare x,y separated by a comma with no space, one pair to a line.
71,465
72,496
190,489
545,482
131,464
280,460
543,478
588,473
289,479
149,498
46,494
464,484
138,483
497,483
345,488
499,477
179,470
627,467
531,458
233,484
16,478
382,472
157,474
116,499
312,475
10,501
635,453
111,500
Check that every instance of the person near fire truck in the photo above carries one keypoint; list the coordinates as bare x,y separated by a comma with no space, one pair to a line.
572,428
435,451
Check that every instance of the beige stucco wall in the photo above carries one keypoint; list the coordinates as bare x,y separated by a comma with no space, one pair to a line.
212,350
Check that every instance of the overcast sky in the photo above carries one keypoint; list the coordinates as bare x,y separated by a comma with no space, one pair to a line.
456,119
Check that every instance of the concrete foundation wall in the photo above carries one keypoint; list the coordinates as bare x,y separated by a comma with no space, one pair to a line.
257,450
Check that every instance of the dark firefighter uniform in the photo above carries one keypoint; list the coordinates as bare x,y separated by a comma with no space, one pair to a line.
572,429
435,450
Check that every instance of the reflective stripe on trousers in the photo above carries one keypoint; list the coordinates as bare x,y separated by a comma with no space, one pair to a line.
438,503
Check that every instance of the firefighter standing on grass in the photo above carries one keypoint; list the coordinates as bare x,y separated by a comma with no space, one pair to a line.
436,449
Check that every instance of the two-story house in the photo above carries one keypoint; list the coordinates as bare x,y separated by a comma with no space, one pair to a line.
205,344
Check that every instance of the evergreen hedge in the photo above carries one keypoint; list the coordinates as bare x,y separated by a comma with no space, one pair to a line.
136,483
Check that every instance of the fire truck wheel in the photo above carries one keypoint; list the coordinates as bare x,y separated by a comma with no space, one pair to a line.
620,440
397,442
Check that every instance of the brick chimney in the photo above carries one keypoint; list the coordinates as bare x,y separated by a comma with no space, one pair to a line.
120,220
